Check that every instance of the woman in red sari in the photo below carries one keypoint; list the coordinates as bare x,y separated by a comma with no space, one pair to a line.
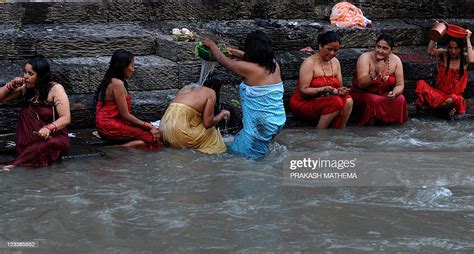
378,86
451,79
41,134
320,96
113,118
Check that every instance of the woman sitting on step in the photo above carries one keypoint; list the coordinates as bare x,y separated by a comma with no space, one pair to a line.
189,120
113,118
261,94
451,79
378,86
41,134
320,96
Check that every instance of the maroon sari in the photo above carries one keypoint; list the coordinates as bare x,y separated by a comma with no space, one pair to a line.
34,151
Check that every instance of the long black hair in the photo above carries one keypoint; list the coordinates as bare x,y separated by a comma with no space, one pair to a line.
258,49
215,83
460,43
43,75
328,37
119,61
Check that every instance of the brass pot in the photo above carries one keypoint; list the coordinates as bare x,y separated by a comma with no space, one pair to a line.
438,31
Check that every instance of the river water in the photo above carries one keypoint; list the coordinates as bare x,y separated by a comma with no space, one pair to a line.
174,200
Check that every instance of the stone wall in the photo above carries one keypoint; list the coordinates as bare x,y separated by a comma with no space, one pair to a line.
79,38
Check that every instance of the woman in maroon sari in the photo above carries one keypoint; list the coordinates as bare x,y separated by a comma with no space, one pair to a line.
378,86
451,79
113,119
41,134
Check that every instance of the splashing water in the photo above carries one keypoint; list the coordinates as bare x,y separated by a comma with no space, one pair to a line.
206,68
228,138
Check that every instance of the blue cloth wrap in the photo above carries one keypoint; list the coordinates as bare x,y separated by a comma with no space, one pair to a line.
263,118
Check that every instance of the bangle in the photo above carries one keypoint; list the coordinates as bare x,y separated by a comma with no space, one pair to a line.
51,127
10,87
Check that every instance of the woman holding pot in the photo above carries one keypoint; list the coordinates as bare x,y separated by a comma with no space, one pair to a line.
452,75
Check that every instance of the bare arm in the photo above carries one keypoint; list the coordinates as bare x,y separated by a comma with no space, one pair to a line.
470,52
236,52
120,96
363,71
433,50
12,90
400,85
237,67
61,104
305,77
209,119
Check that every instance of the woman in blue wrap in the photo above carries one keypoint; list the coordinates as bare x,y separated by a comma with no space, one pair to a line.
261,93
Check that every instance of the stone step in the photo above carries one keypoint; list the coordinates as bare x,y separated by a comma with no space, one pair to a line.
146,105
283,38
146,38
104,11
84,40
84,74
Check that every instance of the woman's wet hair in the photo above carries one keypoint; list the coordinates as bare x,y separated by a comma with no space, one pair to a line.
387,38
119,61
460,43
258,49
42,68
215,83
328,37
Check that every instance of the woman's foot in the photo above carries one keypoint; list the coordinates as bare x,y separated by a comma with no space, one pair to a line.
8,168
452,112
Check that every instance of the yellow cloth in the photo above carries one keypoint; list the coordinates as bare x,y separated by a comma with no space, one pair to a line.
182,126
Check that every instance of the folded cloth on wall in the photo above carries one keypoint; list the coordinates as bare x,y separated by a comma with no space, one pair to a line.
345,14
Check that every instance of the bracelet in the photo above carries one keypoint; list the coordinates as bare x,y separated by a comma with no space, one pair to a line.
147,125
51,127
10,87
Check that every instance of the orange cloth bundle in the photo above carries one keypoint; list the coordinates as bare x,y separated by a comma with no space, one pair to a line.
345,14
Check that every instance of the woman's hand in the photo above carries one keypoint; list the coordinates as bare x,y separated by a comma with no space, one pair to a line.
391,95
343,90
469,33
209,43
225,114
44,133
155,131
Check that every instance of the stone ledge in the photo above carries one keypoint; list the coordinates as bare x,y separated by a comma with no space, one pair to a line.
84,74
102,12
84,40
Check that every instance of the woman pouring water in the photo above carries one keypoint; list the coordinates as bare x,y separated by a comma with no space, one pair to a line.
261,94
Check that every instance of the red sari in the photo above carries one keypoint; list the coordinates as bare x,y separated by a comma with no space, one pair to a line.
312,109
447,86
371,105
34,151
109,124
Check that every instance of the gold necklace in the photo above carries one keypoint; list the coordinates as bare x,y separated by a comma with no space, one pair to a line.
325,76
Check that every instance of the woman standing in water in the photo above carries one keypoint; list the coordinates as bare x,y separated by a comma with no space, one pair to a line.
113,118
451,79
261,94
378,86
41,134
320,97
